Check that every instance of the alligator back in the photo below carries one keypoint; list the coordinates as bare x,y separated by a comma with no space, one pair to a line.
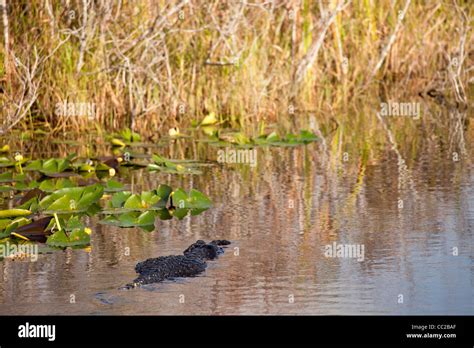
190,264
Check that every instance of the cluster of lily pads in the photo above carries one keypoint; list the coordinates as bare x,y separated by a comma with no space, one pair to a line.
55,195
59,167
216,136
273,139
51,209
128,210
56,218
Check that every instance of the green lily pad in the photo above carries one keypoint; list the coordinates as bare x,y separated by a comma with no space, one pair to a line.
131,219
125,137
10,177
147,200
164,192
72,199
173,166
78,237
51,185
73,233
52,166
7,226
6,163
130,136
130,210
193,200
273,139
113,186
134,202
6,188
14,213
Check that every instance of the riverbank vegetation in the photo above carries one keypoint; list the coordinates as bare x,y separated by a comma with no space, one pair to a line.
159,66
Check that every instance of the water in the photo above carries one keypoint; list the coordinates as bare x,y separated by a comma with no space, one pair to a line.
279,217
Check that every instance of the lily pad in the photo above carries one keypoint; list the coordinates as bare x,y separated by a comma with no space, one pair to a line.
73,199
113,186
78,237
33,231
10,177
7,226
5,162
51,167
131,219
173,166
51,185
14,213
193,200
72,234
126,201
273,139
125,137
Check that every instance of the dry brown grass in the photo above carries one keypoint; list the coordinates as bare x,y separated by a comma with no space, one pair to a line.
151,65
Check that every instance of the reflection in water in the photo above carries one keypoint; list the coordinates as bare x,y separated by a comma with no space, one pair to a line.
279,216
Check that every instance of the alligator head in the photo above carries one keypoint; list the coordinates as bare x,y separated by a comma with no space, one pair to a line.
205,251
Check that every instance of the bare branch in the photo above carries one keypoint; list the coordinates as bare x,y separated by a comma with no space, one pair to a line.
387,47
312,54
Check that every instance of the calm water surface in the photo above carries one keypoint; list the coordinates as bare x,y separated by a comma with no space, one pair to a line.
279,217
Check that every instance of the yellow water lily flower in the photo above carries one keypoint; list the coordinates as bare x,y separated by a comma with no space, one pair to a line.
173,132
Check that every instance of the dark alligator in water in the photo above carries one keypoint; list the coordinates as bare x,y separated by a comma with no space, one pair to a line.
190,264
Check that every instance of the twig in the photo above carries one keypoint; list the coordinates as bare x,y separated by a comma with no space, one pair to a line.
386,49
83,38
310,57
3,8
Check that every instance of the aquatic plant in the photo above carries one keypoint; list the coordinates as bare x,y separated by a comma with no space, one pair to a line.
71,233
54,167
72,199
273,139
124,138
275,70
69,204
174,166
133,210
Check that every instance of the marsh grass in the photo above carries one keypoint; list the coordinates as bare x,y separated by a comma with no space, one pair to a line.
153,65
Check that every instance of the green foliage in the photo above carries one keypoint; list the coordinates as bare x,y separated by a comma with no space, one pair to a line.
133,210
7,226
72,199
174,166
52,166
72,234
125,137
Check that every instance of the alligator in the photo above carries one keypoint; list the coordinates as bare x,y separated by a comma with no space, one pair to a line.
190,264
